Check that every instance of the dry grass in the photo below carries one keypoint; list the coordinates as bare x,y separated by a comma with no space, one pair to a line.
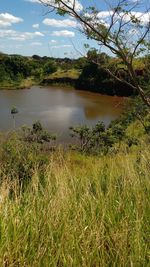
73,74
87,211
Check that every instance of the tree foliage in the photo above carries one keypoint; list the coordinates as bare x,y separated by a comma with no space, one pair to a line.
49,67
16,67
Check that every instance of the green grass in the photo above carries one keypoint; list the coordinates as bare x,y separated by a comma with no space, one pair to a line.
65,78
86,211
72,73
24,83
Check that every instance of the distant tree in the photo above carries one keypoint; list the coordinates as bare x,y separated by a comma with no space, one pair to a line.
4,75
94,56
49,67
36,57
80,63
17,67
38,73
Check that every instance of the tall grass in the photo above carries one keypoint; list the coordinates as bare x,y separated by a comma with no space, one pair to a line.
86,211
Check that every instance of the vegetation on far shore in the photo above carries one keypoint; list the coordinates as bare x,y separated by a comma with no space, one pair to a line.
19,72
24,83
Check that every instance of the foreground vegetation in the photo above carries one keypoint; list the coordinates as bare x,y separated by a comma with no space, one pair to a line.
70,208
80,211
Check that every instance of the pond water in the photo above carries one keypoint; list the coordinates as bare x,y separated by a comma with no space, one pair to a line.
57,108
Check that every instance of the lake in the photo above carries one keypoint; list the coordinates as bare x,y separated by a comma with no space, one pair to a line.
57,108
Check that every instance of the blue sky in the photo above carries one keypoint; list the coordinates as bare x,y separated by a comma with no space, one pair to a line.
26,29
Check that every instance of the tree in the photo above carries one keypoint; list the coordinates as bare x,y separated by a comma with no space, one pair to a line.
123,29
49,67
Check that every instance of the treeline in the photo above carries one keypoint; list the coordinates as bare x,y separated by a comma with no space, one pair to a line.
92,76
96,79
15,68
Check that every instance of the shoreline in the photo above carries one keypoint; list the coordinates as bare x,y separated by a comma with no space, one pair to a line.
58,82
24,84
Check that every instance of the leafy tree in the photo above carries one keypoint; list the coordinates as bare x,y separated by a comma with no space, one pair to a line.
49,67
80,63
36,57
38,73
17,65
122,30
14,68
3,72
91,140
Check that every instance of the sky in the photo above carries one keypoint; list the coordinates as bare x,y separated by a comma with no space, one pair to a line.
26,29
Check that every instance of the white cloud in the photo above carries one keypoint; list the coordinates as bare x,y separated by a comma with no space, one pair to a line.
19,36
104,14
61,46
101,18
144,18
52,41
6,20
35,26
78,6
36,44
63,33
60,23
38,34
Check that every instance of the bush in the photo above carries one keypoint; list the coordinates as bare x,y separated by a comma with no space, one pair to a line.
49,67
94,140
19,160
37,134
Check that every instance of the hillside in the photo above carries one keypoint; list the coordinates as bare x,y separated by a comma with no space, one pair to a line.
75,209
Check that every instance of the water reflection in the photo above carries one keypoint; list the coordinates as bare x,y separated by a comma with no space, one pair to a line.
57,108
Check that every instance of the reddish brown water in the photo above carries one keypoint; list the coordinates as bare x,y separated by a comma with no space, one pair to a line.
57,108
